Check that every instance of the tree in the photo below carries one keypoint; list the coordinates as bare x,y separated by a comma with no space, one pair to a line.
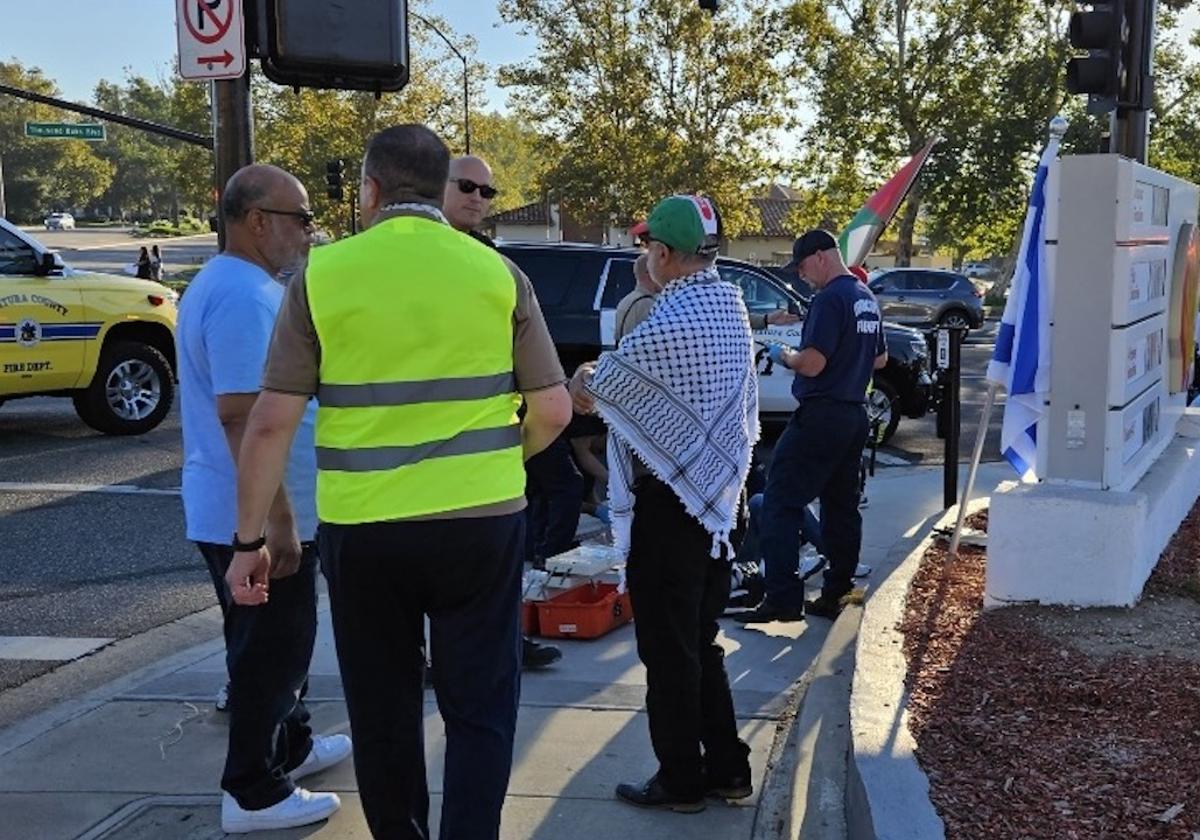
79,177
516,154
40,175
142,183
644,98
983,77
1175,131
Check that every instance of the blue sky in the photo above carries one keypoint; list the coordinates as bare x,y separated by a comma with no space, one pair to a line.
79,42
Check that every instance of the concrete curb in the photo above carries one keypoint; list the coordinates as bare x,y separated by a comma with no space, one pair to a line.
803,789
169,647
887,795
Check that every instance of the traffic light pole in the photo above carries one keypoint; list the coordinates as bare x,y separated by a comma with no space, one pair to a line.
1131,122
233,136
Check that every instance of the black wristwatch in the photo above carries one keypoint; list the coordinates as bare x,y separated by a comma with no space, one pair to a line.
254,545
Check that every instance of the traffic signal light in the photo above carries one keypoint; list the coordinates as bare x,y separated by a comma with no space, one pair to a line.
347,46
1105,33
335,172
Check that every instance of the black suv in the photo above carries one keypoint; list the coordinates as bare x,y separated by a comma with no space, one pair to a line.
579,285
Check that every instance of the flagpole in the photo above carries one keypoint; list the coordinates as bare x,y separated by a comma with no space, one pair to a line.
976,457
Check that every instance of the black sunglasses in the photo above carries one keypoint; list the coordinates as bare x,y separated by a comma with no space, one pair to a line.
466,185
306,217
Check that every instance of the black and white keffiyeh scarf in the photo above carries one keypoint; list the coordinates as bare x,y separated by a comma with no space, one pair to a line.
681,393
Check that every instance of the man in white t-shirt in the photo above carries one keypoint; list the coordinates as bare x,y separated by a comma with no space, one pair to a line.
226,319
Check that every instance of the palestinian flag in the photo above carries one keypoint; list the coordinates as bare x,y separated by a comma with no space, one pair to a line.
860,235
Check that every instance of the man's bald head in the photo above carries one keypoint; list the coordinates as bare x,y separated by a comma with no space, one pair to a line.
465,210
255,185
472,167
267,218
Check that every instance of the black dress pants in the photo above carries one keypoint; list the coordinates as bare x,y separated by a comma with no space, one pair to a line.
678,592
384,578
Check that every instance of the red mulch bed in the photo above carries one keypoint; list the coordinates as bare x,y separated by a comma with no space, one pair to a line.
1024,736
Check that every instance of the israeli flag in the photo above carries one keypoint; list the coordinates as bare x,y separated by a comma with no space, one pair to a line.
1021,361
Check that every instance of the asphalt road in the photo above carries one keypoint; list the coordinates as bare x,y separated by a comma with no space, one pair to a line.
110,249
89,564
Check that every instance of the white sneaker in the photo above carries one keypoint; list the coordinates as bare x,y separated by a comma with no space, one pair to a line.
222,702
810,562
327,750
300,808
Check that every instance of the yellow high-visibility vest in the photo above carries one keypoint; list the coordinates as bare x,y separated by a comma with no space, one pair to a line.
417,401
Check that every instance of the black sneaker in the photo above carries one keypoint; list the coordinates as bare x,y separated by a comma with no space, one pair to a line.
738,787
825,606
654,795
535,656
766,611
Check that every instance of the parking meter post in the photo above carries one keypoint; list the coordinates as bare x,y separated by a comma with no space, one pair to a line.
953,416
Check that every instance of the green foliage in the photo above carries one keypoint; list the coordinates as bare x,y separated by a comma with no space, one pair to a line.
644,98
42,175
983,77
516,154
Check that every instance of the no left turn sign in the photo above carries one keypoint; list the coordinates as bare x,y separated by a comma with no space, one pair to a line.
212,41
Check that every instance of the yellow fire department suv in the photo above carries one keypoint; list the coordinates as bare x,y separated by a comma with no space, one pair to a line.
107,342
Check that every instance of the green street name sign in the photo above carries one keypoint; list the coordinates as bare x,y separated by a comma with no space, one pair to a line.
65,131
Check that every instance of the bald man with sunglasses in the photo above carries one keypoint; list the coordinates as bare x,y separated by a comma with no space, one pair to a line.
469,194
225,325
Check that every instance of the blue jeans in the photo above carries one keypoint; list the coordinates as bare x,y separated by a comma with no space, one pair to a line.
384,578
751,548
554,489
817,457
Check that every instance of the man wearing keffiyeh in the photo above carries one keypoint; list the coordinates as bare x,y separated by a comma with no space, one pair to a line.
679,396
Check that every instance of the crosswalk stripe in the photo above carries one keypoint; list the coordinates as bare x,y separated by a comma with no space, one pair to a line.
117,489
50,648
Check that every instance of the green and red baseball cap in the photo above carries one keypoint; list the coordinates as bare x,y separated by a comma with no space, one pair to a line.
689,224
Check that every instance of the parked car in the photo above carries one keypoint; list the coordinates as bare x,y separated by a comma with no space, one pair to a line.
60,221
928,297
106,342
982,269
579,286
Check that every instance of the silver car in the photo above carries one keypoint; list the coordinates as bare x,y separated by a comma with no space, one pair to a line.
928,297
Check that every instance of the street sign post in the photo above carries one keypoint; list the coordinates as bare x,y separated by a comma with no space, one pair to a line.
65,131
212,40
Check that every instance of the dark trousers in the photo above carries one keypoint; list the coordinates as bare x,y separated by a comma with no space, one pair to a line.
817,457
678,592
268,649
384,578
554,489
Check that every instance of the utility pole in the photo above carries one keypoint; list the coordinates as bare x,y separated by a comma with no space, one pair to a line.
233,136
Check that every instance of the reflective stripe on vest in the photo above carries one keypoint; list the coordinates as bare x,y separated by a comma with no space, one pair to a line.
405,393
417,400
